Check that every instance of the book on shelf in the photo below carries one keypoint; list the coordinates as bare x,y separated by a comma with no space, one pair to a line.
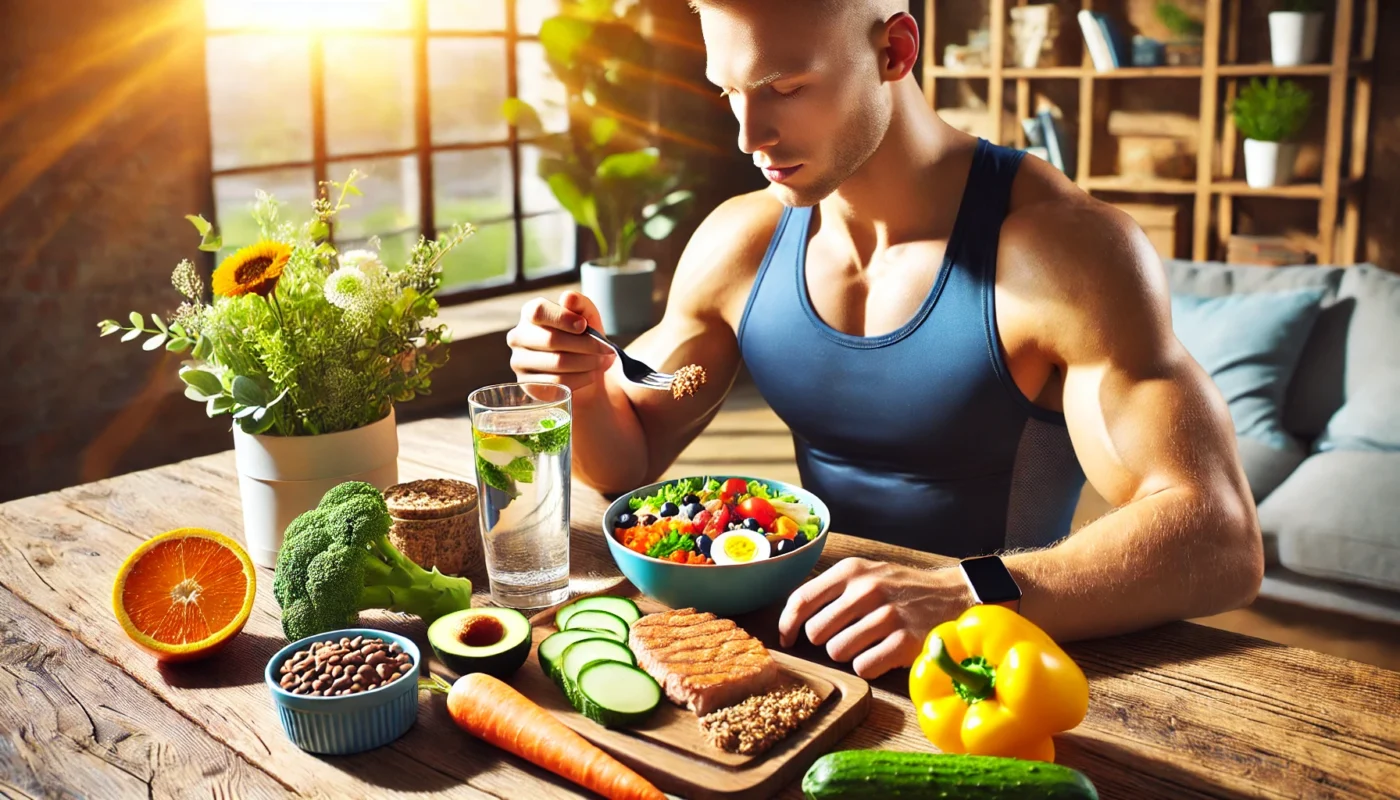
1045,133
1108,48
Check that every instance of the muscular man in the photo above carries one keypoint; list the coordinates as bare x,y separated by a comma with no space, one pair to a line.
956,336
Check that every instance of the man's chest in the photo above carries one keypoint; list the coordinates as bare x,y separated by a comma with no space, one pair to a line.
888,292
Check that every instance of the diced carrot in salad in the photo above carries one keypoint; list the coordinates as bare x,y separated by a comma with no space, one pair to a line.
683,519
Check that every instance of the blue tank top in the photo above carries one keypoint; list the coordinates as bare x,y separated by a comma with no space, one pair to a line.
918,437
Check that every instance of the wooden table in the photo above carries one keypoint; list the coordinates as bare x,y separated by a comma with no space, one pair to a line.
1176,712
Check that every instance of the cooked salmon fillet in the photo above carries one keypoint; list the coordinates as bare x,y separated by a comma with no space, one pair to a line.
701,661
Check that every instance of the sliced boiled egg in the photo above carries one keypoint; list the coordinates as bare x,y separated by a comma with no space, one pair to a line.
740,547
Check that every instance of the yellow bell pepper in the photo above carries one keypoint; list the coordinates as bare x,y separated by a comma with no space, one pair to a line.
992,683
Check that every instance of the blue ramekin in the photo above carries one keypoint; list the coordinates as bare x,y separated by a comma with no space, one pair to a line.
349,723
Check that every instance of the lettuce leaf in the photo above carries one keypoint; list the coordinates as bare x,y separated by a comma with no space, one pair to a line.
669,493
671,543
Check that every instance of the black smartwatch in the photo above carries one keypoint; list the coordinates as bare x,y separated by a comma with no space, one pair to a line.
991,582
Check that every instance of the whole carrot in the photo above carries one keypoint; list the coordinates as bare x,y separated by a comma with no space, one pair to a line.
494,712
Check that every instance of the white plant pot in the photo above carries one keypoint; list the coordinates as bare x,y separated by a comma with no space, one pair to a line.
1269,163
622,294
1294,37
279,477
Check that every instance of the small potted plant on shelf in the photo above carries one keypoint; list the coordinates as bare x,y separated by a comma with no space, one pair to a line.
1270,115
308,349
1295,32
606,170
1184,48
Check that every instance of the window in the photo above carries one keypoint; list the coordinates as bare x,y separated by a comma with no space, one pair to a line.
408,92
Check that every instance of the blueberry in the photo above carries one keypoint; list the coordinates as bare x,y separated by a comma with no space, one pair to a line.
646,519
627,521
669,509
702,544
753,524
690,498
799,539
787,546
692,510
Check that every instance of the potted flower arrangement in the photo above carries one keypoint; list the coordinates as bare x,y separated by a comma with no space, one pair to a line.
307,349
1295,32
1270,115
605,170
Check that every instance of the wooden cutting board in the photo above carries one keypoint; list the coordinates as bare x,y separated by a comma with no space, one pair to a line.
670,751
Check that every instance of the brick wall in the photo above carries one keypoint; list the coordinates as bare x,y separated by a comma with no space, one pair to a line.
104,146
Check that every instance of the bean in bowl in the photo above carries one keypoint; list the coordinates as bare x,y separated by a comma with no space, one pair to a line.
346,666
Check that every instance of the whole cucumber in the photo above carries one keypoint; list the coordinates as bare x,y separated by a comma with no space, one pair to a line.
881,775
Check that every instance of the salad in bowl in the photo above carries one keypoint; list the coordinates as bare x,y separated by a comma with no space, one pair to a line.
726,544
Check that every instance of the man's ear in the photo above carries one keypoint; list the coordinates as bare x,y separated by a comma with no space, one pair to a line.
900,46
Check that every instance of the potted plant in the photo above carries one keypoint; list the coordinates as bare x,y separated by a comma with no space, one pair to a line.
307,349
1295,32
1270,115
1185,47
606,170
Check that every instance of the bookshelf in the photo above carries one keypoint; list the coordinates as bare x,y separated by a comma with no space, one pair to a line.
1349,88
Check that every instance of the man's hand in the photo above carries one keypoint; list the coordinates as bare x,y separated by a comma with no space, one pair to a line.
873,613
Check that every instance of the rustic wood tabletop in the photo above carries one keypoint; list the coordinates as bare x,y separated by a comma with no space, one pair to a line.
1179,711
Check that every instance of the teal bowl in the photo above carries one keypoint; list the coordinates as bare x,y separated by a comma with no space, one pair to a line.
721,589
351,723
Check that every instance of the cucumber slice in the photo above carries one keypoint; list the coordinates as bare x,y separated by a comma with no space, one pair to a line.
552,648
614,694
582,653
600,620
622,607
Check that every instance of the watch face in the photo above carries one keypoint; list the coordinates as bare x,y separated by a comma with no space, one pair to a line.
991,580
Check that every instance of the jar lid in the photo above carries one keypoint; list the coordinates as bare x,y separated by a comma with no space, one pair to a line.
431,498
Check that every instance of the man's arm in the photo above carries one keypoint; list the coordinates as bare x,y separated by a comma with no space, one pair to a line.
624,436
1149,428
1151,431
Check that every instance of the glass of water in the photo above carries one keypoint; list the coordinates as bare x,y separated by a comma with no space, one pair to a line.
521,434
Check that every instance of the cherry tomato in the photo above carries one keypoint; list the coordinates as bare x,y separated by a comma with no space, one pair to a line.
759,509
701,520
732,488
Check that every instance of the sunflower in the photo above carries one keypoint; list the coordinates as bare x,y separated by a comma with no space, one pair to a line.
253,270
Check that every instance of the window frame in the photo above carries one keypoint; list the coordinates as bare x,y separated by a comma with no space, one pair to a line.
423,148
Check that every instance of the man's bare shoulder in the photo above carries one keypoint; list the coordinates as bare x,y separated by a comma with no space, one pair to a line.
1087,266
725,252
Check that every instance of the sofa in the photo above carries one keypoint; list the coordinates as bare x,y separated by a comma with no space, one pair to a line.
1308,359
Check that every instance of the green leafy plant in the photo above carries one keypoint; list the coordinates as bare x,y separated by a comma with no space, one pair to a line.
1273,111
300,338
606,169
1181,24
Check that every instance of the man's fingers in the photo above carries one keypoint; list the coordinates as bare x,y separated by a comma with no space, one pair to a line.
805,602
551,315
577,303
533,361
899,649
863,632
851,606
552,340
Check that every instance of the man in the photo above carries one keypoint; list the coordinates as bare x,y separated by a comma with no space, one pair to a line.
951,332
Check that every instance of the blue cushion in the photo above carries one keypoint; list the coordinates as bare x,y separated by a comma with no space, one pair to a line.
1250,345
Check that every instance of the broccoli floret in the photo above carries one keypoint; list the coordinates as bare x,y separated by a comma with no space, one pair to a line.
337,560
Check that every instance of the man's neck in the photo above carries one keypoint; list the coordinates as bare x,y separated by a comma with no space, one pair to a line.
893,197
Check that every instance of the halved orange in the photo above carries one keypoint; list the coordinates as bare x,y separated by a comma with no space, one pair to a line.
184,594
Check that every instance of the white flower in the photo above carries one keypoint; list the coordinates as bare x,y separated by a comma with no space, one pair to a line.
366,261
348,288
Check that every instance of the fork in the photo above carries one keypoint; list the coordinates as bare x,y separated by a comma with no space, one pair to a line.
634,370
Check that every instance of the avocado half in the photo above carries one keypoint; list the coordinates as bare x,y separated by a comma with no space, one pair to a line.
495,641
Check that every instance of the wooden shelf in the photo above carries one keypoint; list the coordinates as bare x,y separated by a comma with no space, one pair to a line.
1345,100
1270,69
1240,188
1118,183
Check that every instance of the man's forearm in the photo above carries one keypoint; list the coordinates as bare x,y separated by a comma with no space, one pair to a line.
609,445
1172,555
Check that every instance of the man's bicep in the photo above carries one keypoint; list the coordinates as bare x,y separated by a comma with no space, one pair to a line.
1142,428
